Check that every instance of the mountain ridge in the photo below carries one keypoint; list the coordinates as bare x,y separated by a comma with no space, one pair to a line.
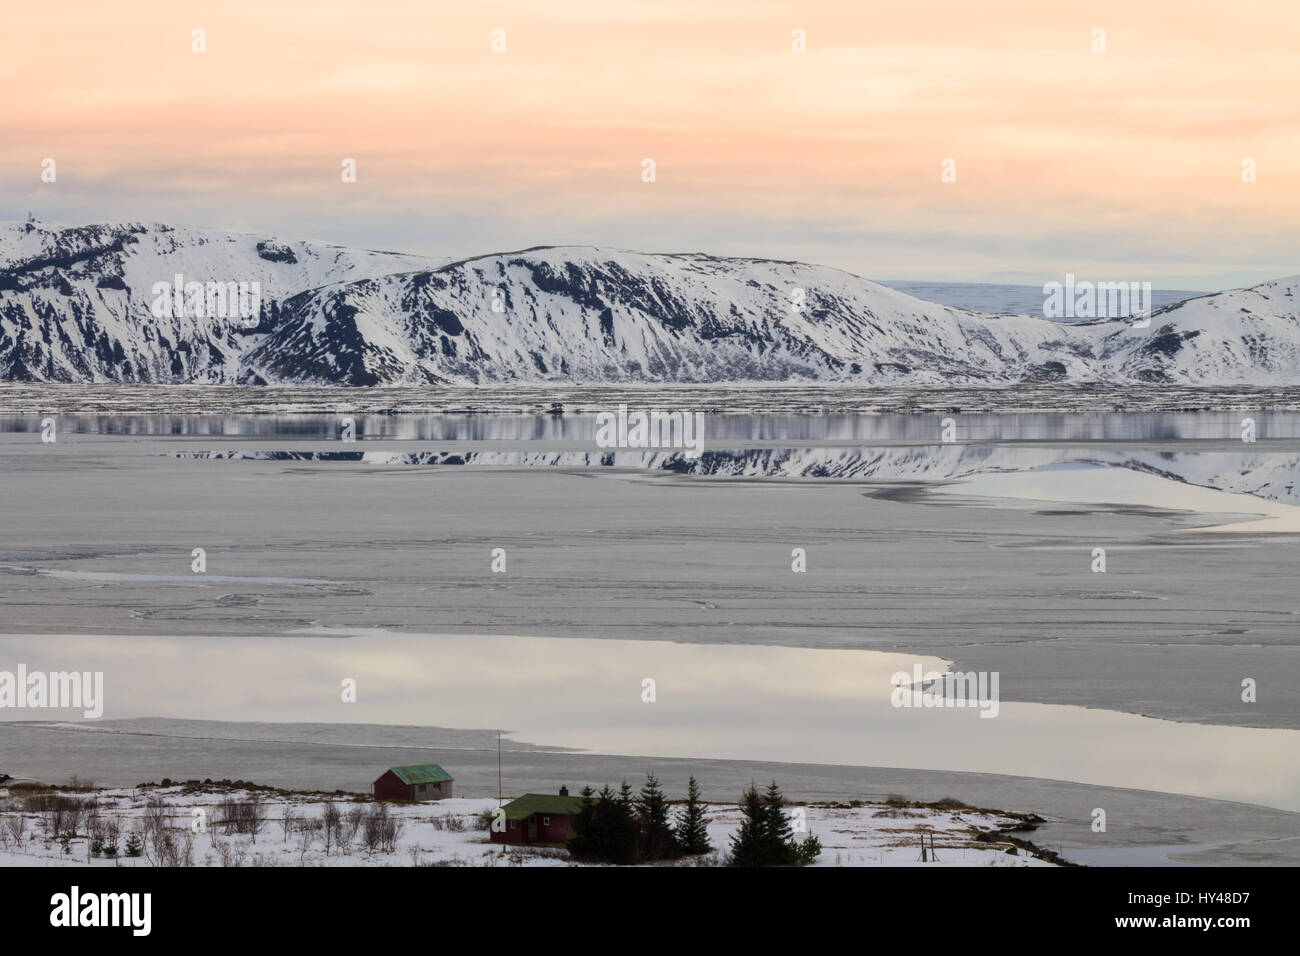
77,304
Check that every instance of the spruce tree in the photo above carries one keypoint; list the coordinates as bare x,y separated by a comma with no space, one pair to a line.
586,837
779,847
657,839
622,848
808,851
692,831
606,825
748,844
134,846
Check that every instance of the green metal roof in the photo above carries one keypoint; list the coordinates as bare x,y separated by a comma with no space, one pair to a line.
422,773
531,803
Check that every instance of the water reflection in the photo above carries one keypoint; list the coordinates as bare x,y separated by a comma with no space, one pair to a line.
1271,476
794,428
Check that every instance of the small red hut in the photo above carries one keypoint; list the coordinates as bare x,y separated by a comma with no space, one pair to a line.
418,782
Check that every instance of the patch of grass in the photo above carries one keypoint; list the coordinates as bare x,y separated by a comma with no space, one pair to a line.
19,789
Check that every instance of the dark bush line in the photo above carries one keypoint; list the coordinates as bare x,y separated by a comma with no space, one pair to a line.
624,828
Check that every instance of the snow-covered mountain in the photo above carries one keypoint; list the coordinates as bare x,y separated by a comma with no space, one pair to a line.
76,302
77,305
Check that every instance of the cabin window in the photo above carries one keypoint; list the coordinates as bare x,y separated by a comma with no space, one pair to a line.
514,824
546,821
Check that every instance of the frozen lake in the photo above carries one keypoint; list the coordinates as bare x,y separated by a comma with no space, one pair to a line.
503,571
713,702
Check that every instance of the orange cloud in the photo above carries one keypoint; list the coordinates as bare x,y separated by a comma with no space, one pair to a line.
1047,135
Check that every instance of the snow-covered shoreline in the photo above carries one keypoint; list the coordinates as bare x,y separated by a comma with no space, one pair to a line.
450,832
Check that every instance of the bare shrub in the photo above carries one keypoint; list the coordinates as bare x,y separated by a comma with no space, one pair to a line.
306,836
254,815
351,826
15,826
245,816
331,821
230,853
59,815
352,822
172,847
380,829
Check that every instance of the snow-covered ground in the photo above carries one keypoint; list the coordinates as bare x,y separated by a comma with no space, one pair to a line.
447,833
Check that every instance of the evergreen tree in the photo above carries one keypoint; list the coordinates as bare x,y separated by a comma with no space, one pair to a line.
622,847
765,837
808,851
585,842
657,841
606,824
749,842
692,831
134,847
779,847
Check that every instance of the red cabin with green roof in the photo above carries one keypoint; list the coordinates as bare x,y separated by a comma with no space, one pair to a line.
542,818
418,782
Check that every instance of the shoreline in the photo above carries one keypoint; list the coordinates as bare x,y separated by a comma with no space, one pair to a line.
1212,831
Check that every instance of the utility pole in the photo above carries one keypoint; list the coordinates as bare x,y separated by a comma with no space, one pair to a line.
503,848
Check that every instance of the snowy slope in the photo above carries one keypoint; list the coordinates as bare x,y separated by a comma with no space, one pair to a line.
1241,336
74,306
75,301
590,315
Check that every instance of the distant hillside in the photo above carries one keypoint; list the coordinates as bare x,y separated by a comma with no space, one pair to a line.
77,305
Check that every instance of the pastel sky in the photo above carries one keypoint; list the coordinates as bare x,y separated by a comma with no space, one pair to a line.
1125,164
